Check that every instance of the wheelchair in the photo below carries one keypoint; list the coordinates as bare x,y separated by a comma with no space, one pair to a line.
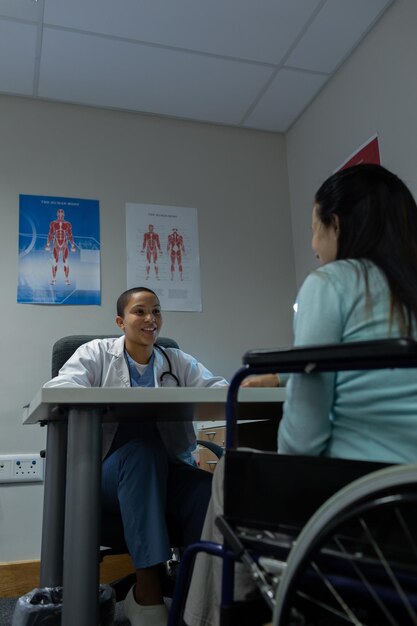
341,547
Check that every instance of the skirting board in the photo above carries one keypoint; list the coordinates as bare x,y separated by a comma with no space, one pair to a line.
20,577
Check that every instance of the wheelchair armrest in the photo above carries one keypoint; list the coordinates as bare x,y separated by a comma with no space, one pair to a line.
216,449
359,355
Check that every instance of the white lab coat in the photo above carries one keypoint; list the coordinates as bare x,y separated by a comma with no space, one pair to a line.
101,363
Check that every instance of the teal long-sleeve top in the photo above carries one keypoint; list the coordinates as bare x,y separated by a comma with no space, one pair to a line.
370,415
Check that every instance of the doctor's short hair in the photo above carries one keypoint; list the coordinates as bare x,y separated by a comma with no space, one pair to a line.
124,298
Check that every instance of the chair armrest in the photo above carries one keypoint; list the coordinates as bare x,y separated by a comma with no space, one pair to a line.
360,355
216,449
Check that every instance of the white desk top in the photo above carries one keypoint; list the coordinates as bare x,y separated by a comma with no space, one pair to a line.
194,403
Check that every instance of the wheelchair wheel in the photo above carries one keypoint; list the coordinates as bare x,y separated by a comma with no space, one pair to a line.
355,562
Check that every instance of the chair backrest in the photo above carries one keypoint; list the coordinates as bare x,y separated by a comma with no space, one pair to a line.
269,490
66,346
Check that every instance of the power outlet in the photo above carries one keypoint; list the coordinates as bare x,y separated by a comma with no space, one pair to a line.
21,468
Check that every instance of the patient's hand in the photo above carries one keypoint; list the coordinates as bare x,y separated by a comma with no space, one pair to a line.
261,380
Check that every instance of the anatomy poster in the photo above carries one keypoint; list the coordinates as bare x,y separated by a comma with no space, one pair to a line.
59,250
163,254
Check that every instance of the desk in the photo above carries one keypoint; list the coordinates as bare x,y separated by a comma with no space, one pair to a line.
70,528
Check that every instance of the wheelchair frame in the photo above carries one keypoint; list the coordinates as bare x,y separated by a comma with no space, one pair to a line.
379,354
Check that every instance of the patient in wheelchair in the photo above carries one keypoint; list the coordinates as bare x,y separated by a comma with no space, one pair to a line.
364,233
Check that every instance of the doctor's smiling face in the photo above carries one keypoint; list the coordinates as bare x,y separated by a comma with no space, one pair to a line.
139,316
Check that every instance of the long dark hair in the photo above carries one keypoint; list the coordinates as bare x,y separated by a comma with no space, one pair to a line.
377,222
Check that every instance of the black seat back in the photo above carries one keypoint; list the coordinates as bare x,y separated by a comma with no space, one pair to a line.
66,346
270,490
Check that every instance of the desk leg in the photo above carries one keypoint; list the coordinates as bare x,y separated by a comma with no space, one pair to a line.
54,505
82,513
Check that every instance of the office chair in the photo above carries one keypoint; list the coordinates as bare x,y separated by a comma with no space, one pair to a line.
112,535
336,544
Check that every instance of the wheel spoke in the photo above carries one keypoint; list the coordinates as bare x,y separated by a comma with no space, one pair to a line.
369,587
406,531
389,572
323,605
349,613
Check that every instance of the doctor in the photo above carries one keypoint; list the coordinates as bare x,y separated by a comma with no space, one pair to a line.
148,470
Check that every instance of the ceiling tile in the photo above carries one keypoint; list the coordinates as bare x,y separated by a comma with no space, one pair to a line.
207,61
260,30
287,96
21,9
106,72
334,33
17,57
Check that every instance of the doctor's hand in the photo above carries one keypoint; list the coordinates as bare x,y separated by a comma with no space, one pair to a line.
261,380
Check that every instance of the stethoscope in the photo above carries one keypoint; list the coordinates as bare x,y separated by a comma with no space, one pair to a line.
169,372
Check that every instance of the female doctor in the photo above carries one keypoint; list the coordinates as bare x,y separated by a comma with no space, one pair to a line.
148,470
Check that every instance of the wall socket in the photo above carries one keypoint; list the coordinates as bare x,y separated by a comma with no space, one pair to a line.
21,468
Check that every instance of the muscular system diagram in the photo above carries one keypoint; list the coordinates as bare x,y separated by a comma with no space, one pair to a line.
151,246
60,234
175,247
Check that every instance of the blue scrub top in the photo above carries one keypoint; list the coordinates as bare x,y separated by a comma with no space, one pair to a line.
128,431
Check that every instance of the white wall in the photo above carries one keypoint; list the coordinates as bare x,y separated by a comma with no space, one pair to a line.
238,182
375,91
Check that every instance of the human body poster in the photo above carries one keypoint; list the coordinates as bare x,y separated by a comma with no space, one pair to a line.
59,250
163,254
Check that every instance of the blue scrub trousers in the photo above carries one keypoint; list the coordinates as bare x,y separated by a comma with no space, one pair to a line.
158,499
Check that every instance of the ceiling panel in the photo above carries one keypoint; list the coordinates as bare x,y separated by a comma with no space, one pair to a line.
108,72
21,9
333,34
17,57
260,30
247,63
275,111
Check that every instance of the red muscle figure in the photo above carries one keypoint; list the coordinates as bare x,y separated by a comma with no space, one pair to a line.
60,232
176,245
151,245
